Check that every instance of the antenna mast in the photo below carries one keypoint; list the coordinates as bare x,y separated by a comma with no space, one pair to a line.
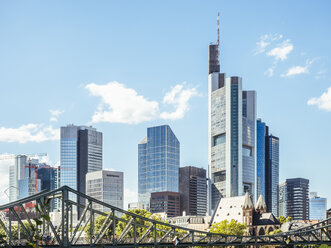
218,28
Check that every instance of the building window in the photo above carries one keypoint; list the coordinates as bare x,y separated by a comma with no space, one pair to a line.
219,139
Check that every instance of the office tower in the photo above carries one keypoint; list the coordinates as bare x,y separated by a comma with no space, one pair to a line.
165,202
317,207
261,134
297,198
158,163
193,190
81,152
272,174
282,211
106,186
232,134
17,172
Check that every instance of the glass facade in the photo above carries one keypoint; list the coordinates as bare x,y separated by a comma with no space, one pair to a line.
317,207
260,158
158,163
273,175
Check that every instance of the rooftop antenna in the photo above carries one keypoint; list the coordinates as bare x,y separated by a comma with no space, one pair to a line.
218,28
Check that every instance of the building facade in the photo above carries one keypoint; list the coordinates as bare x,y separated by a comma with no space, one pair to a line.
272,174
282,211
158,163
165,202
106,186
297,198
232,134
81,152
261,134
17,171
193,191
317,207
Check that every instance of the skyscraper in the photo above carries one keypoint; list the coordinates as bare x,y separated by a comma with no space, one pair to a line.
272,174
232,134
17,171
193,190
317,207
297,198
81,152
282,208
261,134
106,186
158,163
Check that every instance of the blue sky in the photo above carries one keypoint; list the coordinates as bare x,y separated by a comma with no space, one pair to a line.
123,66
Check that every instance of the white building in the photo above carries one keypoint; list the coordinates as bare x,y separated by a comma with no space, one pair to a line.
136,205
232,134
106,186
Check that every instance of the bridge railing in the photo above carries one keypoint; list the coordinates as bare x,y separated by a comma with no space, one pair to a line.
85,221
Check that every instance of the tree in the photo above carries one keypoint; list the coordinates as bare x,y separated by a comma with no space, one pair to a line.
283,220
230,228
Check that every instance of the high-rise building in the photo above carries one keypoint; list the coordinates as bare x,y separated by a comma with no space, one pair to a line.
158,163
297,198
282,211
17,171
317,207
81,152
232,134
106,186
272,174
165,202
193,190
261,134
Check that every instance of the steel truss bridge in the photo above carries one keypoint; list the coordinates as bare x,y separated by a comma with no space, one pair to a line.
120,228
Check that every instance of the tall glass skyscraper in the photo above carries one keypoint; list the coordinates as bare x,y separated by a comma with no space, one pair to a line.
81,152
272,175
232,134
158,163
317,207
260,157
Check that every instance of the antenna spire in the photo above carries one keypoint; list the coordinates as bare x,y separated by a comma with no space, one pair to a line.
218,28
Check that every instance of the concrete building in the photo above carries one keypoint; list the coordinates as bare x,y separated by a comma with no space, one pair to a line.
106,186
17,172
81,152
200,223
165,202
193,191
317,207
296,191
232,134
158,163
282,211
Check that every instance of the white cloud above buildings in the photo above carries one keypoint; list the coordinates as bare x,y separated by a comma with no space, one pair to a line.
323,102
281,51
55,114
297,70
29,133
120,104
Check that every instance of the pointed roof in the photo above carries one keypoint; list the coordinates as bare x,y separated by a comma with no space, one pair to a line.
261,203
248,201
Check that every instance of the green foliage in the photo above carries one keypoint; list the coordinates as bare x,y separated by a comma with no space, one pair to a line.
230,228
283,220
98,222
274,232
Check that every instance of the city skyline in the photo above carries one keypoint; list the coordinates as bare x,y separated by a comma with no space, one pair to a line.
62,81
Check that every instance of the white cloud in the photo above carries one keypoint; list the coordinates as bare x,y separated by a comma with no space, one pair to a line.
29,133
265,41
296,70
120,104
282,50
129,196
323,102
179,97
55,113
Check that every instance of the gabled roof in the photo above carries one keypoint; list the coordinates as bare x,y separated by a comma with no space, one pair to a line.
248,203
261,203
